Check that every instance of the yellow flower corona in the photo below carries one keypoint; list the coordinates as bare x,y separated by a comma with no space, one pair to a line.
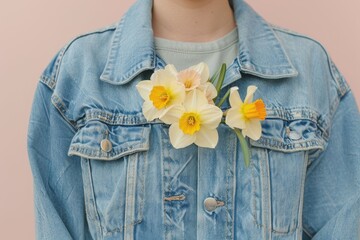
188,83
160,96
194,77
189,122
254,110
246,115
161,92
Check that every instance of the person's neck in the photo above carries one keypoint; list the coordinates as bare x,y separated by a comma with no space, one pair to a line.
192,20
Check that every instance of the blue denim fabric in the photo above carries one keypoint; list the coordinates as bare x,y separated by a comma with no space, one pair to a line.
303,181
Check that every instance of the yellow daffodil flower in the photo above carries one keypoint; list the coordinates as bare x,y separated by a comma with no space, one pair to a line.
246,115
161,92
195,121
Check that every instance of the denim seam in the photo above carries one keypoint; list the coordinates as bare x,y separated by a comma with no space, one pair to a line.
92,200
163,184
342,86
167,233
49,81
254,190
227,196
288,147
111,27
114,118
234,181
267,211
256,71
110,57
130,194
307,232
82,151
143,176
301,203
60,106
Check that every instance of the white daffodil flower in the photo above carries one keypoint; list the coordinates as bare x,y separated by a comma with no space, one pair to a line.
195,121
246,115
194,76
161,92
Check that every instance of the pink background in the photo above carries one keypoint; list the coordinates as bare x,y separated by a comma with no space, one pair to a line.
33,31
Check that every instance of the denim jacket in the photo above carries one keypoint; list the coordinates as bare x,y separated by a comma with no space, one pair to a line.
101,171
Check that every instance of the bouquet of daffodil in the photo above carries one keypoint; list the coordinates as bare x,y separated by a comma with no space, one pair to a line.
188,102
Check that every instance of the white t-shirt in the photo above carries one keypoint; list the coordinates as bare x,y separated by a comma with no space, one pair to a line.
186,54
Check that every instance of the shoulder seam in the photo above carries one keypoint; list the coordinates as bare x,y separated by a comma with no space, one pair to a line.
99,30
50,81
342,87
66,47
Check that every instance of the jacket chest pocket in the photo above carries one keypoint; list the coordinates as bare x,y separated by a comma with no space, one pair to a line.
279,163
114,161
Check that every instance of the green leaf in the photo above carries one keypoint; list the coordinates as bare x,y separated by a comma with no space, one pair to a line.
220,80
222,100
244,147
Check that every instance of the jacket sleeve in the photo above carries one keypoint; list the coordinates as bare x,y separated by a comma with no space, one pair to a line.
332,186
57,180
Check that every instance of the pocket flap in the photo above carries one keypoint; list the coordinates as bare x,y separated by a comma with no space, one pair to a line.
290,135
102,141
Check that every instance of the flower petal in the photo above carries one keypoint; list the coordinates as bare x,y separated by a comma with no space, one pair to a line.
178,93
210,116
173,114
144,87
150,112
206,137
177,137
203,69
194,99
253,129
163,77
171,68
234,119
210,91
250,93
234,98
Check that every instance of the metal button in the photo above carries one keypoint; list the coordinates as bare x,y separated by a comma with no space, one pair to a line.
211,204
294,135
106,145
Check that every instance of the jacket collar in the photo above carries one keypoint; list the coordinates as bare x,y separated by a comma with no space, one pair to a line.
132,49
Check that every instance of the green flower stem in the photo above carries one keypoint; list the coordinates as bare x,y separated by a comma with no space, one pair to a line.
213,78
222,100
244,147
220,79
